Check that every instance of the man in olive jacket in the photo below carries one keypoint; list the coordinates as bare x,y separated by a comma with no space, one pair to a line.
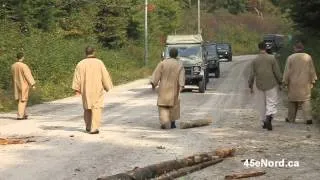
266,72
300,76
170,77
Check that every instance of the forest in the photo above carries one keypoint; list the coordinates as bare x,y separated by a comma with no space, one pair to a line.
54,33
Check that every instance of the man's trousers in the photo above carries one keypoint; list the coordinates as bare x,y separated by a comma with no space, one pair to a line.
169,114
293,107
267,102
22,105
92,118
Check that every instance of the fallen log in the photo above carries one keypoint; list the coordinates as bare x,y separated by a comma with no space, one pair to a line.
155,170
195,123
19,140
187,170
245,175
225,152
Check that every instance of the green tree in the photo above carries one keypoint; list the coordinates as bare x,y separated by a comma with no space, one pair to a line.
112,22
306,14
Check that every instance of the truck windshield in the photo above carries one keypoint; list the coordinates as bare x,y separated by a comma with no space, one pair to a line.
212,50
222,47
188,51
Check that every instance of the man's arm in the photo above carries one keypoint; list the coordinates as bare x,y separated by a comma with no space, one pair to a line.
285,79
28,75
106,79
156,75
313,74
251,75
276,71
181,78
76,81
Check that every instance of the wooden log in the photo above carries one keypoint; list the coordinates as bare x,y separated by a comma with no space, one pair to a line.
155,170
245,175
20,140
195,123
225,152
187,170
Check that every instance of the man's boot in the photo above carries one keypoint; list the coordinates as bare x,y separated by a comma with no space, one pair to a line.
268,122
264,126
173,124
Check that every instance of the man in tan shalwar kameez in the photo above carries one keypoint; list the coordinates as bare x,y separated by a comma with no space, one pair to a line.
170,74
300,76
90,80
22,81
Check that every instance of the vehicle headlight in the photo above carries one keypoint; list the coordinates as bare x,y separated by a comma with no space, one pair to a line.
196,68
226,52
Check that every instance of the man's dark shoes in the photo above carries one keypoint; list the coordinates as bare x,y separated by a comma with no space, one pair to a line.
88,130
309,121
163,126
264,126
94,132
287,120
23,118
268,122
173,125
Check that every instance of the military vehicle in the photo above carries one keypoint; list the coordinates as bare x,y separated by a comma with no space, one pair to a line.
212,59
191,54
224,51
274,42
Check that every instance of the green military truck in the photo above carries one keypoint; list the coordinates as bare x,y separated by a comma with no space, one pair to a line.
191,54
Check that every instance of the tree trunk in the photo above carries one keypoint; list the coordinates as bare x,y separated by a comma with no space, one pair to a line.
195,123
245,175
155,170
188,170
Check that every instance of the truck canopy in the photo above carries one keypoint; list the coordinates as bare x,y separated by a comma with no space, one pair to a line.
184,39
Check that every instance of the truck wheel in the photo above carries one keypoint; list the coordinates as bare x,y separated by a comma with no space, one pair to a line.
230,59
217,73
202,85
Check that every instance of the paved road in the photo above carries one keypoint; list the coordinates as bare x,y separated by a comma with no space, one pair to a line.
130,134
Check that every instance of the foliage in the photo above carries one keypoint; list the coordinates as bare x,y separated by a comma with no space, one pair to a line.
306,14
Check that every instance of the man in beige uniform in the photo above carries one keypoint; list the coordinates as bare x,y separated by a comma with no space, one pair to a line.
90,80
265,70
22,81
170,73
299,76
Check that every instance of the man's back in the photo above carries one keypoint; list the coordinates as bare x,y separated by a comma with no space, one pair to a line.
299,75
91,78
266,71
171,76
22,79
300,68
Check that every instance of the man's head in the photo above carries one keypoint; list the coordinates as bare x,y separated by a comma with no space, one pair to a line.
173,53
90,51
20,56
262,46
298,47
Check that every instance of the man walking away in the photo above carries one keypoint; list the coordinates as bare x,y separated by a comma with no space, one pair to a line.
300,76
170,74
22,81
266,72
90,80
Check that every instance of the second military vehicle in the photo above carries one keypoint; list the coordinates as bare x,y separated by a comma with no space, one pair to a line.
212,59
